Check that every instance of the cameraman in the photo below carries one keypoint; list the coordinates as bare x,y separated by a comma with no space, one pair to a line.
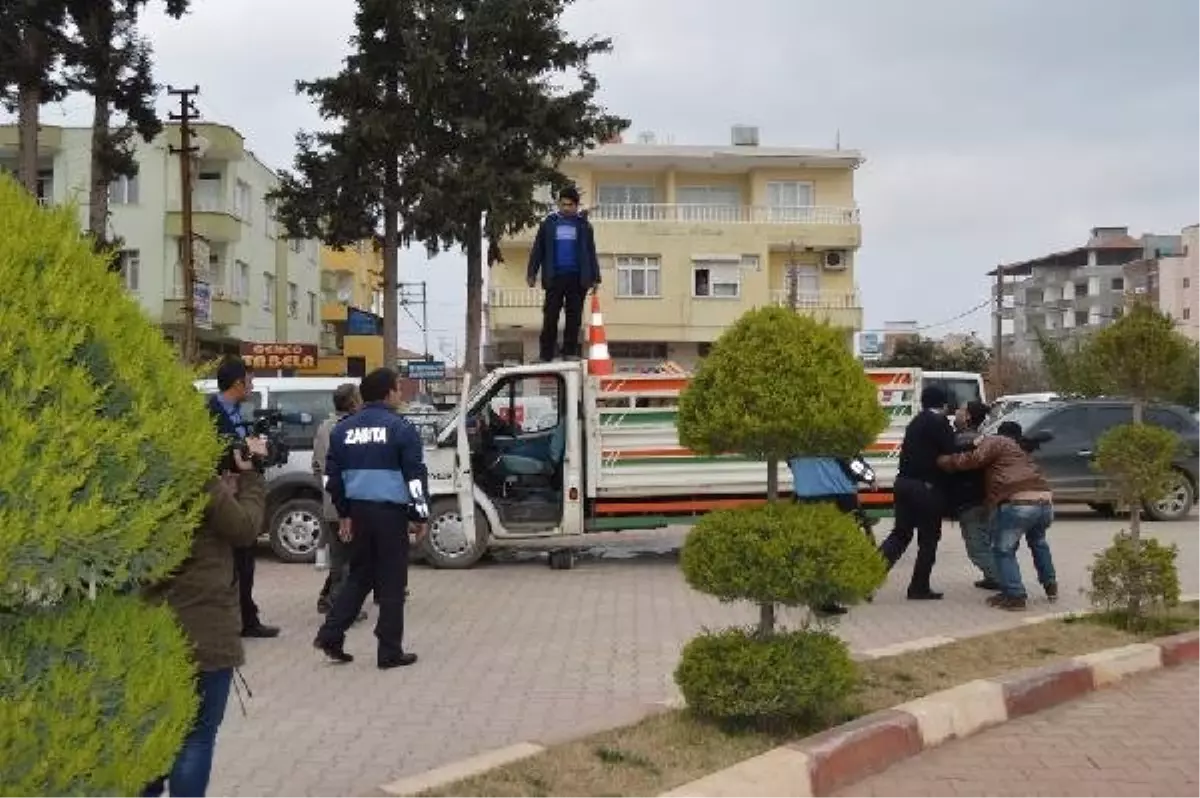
234,384
206,605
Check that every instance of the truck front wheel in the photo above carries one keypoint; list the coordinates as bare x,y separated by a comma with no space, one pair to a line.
446,544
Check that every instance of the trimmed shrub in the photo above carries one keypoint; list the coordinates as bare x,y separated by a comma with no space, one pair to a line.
1135,577
790,677
782,553
106,451
95,697
1137,458
778,384
107,446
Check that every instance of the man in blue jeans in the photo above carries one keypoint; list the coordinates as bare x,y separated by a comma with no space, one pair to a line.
1021,505
204,597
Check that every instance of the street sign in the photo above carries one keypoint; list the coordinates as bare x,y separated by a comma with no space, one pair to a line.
425,370
277,356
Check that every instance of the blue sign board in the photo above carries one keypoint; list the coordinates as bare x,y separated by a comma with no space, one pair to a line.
425,370
360,322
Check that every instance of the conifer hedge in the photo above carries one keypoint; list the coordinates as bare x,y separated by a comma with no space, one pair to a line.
105,449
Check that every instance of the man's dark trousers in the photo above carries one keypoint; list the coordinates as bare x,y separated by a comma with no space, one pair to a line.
918,507
564,296
243,565
379,564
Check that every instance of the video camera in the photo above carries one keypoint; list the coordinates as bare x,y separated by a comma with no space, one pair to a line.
268,425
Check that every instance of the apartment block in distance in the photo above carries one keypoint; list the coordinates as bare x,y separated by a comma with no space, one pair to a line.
1169,277
351,309
263,286
691,237
1075,290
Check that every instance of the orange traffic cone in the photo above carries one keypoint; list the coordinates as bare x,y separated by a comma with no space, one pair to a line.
599,363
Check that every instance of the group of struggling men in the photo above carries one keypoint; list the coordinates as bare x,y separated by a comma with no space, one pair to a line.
989,483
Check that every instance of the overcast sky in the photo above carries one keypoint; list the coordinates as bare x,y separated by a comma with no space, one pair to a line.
994,130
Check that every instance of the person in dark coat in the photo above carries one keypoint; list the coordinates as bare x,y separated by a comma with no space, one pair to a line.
966,495
919,491
234,383
564,252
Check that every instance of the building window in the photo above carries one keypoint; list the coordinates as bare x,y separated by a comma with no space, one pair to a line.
241,200
638,276
716,280
206,196
45,186
620,202
789,201
808,284
268,292
131,268
637,350
1187,314
312,308
709,203
1118,312
241,281
216,274
1093,286
1187,282
1094,316
1081,289
123,190
1081,318
1118,284
293,301
271,218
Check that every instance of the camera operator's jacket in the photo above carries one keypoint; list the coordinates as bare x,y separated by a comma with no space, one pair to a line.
373,455
203,590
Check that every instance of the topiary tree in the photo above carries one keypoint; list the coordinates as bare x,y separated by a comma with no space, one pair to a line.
776,385
107,449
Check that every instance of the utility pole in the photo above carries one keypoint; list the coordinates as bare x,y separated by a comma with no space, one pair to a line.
998,333
187,114
793,279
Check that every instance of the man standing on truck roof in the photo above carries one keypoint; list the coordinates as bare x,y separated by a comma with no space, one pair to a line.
919,491
564,251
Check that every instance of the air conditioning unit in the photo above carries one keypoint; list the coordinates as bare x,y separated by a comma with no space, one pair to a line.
834,260
744,136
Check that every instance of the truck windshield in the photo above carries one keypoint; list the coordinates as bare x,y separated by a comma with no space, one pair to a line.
960,390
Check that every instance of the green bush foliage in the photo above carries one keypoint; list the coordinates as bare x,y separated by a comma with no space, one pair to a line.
95,697
1142,355
782,553
1137,459
107,449
778,384
734,675
1135,577
107,446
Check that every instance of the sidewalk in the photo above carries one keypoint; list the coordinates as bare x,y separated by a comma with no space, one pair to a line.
1139,737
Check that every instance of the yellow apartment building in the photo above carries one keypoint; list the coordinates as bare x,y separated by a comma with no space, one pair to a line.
351,309
691,237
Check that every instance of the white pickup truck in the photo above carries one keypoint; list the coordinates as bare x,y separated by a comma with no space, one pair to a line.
599,454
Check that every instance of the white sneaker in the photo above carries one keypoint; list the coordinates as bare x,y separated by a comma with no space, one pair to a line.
322,561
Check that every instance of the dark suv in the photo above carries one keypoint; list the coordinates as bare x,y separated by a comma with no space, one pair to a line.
1077,424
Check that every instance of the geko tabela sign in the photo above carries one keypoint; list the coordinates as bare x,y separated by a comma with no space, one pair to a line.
279,356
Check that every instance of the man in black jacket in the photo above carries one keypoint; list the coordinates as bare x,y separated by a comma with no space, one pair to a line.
234,383
966,493
919,491
565,254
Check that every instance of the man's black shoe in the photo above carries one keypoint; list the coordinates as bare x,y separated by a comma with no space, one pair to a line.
335,651
832,609
1052,591
398,661
260,631
924,595
987,584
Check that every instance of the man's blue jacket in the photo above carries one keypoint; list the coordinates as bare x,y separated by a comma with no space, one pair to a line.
541,254
373,455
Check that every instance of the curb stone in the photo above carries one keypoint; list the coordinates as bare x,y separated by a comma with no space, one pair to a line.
849,753
958,718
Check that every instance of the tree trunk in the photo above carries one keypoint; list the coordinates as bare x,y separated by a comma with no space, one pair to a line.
772,479
29,100
474,247
98,186
766,620
1135,528
391,266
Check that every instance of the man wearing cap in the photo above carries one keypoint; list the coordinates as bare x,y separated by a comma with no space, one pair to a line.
919,492
1022,507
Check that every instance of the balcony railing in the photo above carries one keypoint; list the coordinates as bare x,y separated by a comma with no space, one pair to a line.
818,300
723,214
516,297
219,292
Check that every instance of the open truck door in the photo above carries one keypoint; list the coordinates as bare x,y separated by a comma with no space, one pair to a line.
464,478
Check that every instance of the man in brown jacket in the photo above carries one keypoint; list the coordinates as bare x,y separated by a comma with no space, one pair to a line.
346,401
204,595
1021,506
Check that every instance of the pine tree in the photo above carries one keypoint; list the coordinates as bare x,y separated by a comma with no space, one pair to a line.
450,118
108,59
31,39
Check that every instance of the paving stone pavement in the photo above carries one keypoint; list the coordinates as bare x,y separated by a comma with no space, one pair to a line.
1139,737
513,651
